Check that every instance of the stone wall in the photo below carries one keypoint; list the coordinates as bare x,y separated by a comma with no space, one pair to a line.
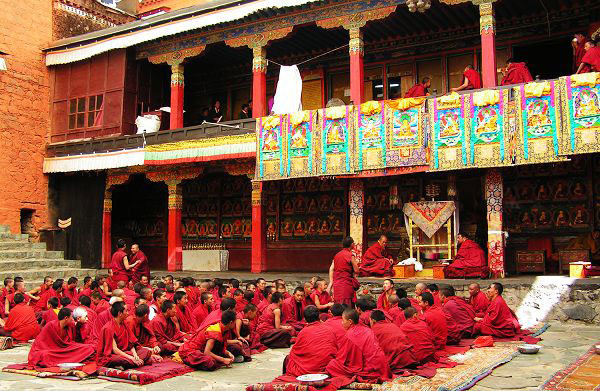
75,17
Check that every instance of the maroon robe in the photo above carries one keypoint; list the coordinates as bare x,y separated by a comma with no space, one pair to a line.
21,323
469,261
375,262
142,269
461,312
473,78
292,313
382,302
578,54
187,323
166,333
213,317
421,339
117,266
480,303
49,315
498,321
192,351
416,91
5,292
125,341
516,73
101,306
269,335
73,295
395,345
592,59
200,313
249,332
11,300
96,326
336,327
344,282
359,355
324,298
142,331
397,315
304,358
436,320
54,346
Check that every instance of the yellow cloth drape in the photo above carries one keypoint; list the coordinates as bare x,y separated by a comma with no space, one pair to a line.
335,112
370,107
405,103
585,79
450,99
202,143
298,117
486,98
270,122
537,89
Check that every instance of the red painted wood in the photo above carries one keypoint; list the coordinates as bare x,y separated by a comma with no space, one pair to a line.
259,94
106,238
357,84
488,59
259,232
176,117
174,260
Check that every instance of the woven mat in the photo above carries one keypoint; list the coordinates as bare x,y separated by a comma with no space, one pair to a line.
582,375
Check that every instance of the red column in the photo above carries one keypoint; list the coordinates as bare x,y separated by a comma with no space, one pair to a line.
106,229
259,230
259,82
174,251
494,188
176,118
488,44
357,82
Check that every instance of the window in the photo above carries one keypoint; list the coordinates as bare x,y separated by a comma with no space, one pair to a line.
400,80
78,110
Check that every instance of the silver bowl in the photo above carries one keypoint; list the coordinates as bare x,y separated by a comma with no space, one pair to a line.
529,349
313,379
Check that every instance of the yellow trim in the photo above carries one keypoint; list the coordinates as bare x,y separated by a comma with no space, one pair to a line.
585,79
215,327
486,98
370,107
405,103
202,143
537,89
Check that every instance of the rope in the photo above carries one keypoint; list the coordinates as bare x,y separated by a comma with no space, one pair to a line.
313,58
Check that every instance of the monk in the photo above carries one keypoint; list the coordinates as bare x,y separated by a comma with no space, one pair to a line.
335,322
459,310
421,336
304,358
259,287
471,80
419,89
21,323
364,306
10,299
383,302
478,300
245,325
86,303
54,345
143,268
321,297
359,353
120,266
309,288
293,308
342,272
591,60
578,44
117,346
204,308
470,260
128,295
187,323
51,313
82,329
101,320
281,288
166,331
226,305
394,311
273,333
71,291
267,292
8,289
99,305
393,341
207,350
435,319
86,289
139,325
39,290
516,73
377,261
498,321
158,298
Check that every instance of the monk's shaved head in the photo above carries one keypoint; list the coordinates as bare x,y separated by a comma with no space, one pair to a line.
420,288
410,312
393,300
118,293
351,315
121,284
474,289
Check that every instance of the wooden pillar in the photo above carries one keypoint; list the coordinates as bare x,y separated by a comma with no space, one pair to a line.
356,202
357,82
259,230
176,118
487,24
174,251
259,82
494,189
106,229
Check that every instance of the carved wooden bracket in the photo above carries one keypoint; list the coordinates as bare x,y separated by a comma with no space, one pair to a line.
358,20
174,175
175,59
260,39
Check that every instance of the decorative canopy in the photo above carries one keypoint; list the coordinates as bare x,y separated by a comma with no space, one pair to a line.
429,216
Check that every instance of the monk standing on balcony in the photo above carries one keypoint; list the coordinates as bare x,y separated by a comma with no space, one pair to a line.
377,261
591,60
469,261
516,73
471,80
419,89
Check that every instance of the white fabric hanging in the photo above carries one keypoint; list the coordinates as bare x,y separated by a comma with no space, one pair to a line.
288,96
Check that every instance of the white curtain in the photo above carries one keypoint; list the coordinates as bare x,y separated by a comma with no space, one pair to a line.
288,96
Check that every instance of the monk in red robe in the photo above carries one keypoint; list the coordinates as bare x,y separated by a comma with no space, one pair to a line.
578,44
435,319
120,266
459,310
99,305
245,324
359,353
335,322
95,330
273,332
393,341
268,291
187,323
377,261
478,300
143,267
421,336
226,305
342,274
39,290
21,323
51,313
9,288
591,60
139,325
54,345
498,321
383,302
71,291
10,299
470,260
419,89
203,308
86,303
117,346
516,73
166,331
207,350
395,312
293,308
471,80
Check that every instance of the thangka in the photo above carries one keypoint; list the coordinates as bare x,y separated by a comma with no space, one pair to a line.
370,136
405,123
539,124
270,153
488,128
336,135
581,112
449,138
299,137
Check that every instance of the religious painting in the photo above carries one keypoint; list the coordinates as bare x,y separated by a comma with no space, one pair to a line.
299,139
226,230
270,147
227,208
561,191
313,207
238,228
299,204
211,228
247,228
325,227
337,205
561,218
370,136
406,130
581,112
544,219
579,217
287,228
337,228
542,192
336,135
300,229
287,207
578,190
449,135
271,228
313,226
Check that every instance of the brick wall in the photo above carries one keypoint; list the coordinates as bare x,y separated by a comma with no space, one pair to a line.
24,110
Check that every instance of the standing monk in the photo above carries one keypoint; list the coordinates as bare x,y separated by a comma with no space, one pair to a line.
469,261
478,300
471,80
516,73
377,261
142,268
419,89
498,321
578,44
342,274
120,266
591,60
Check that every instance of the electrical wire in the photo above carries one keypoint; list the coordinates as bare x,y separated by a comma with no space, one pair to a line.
313,58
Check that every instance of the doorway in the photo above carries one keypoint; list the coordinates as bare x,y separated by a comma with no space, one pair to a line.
548,59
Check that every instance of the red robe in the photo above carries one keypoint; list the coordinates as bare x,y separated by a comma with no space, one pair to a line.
469,261
73,295
86,292
50,315
193,298
480,303
336,327
166,332
213,317
395,345
292,313
101,306
304,358
416,91
200,313
436,320
343,278
96,326
375,262
461,312
578,54
421,338
142,331
324,298
516,73
5,292
192,351
117,266
473,78
382,302
498,321
21,323
397,315
142,269
359,355
592,59
187,323
269,335
125,342
54,346
249,332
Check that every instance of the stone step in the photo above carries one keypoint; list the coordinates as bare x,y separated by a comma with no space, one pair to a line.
33,263
4,228
30,253
9,235
36,276
21,245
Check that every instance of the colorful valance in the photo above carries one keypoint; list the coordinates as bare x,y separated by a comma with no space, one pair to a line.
407,128
370,136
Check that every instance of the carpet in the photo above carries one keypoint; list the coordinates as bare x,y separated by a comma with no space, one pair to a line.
582,375
53,372
146,374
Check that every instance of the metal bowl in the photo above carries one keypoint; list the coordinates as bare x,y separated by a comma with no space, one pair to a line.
313,379
529,349
70,366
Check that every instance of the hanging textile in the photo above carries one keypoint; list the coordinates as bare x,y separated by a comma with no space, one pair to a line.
336,135
299,137
370,136
406,129
271,148
449,137
429,216
288,96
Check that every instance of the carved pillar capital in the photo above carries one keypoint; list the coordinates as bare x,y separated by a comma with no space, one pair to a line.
487,19
356,41
259,60
175,194
177,78
107,205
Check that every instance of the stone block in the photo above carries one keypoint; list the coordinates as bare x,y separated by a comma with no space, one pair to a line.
582,312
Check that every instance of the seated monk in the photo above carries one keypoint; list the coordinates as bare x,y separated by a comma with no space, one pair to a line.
359,353
321,298
205,307
55,291
187,323
102,319
435,319
227,304
516,73
292,309
21,323
377,261
459,310
117,346
419,89
471,80
169,337
478,300
54,345
245,325
267,292
383,300
469,261
335,322
364,306
82,329
591,59
207,350
139,325
98,303
435,292
393,341
395,312
498,321
421,336
86,303
52,312
273,333
304,358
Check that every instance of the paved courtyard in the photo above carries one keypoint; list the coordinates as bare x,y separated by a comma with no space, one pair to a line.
563,343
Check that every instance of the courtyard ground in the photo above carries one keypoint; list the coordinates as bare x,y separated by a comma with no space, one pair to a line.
562,344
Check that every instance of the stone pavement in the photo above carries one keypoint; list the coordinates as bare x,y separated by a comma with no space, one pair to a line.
563,343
